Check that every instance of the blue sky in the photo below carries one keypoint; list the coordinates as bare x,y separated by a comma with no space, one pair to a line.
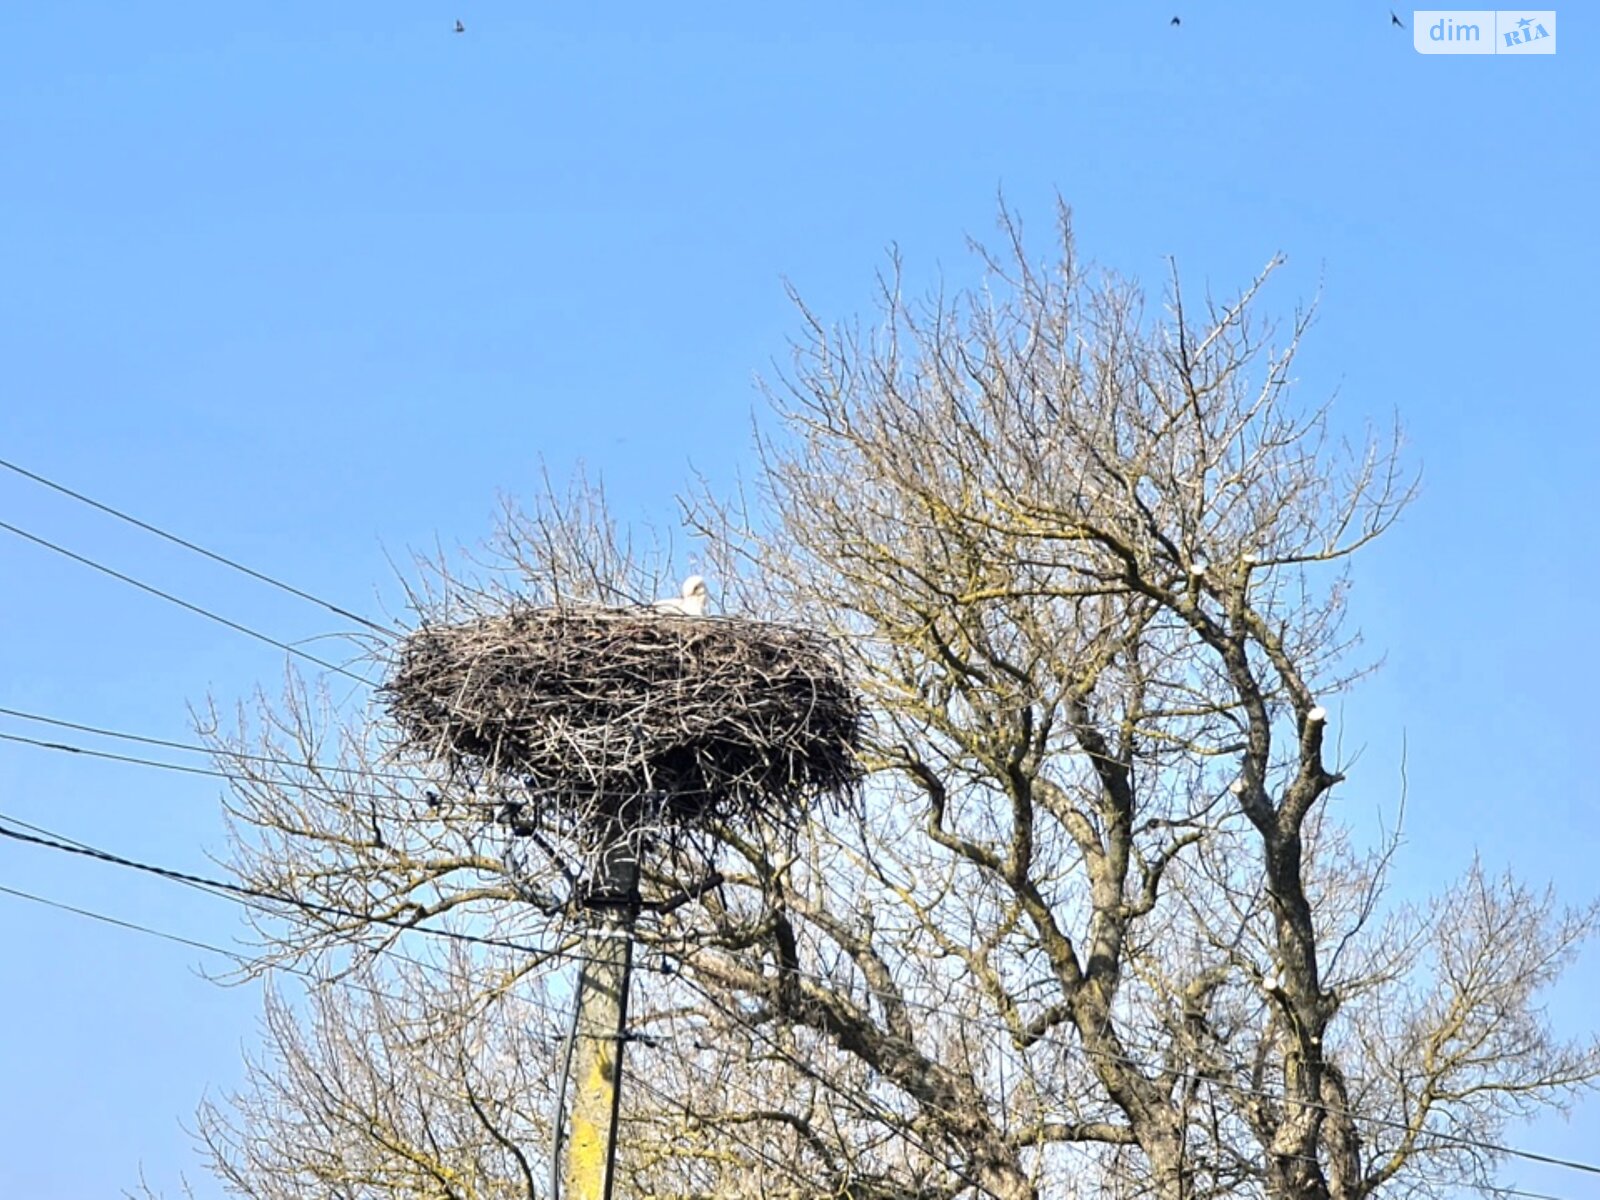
310,284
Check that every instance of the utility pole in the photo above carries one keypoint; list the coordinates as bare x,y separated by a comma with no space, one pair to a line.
582,713
577,715
601,1025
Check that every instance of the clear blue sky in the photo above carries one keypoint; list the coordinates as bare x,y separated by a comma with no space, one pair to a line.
310,283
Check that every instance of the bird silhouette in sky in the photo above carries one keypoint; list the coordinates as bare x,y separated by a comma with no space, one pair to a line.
460,28
1396,20
1175,21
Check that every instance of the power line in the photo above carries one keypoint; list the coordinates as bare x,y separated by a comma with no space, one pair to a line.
262,576
82,850
338,610
197,549
110,756
243,959
235,956
228,754
145,739
129,925
49,840
329,789
812,976
549,1010
344,979
818,978
362,773
225,753
181,603
225,560
238,957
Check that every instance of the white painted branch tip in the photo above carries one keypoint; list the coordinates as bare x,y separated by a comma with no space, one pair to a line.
1237,787
1317,715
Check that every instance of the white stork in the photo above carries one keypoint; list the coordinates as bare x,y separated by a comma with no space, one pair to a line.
692,603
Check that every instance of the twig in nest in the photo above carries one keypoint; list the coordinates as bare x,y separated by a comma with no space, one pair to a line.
607,722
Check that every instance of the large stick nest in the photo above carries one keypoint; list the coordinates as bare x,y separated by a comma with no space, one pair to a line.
599,717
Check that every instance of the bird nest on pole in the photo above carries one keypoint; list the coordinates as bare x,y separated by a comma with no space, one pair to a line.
599,724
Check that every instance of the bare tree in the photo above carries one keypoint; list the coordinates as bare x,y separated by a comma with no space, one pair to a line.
437,1080
1096,927
384,1084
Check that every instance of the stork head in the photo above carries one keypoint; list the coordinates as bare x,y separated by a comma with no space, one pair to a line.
694,588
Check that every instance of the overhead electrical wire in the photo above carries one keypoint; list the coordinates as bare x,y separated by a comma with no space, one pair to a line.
352,772
240,891
54,842
133,926
345,981
81,850
165,743
261,576
233,564
182,603
78,847
133,760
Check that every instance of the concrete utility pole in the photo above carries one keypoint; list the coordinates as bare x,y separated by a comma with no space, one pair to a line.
602,1025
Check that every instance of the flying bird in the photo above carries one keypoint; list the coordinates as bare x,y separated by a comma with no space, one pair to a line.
1175,21
692,603
460,28
1396,20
